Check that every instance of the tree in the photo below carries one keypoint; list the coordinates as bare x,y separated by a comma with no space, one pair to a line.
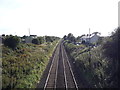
24,36
48,39
65,37
100,40
35,41
3,35
82,35
41,40
11,41
3,40
112,45
83,42
111,50
71,37
96,33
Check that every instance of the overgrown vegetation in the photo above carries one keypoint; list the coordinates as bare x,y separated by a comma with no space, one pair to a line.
99,65
35,41
23,66
11,41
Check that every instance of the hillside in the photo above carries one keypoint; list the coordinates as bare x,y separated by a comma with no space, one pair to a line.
24,66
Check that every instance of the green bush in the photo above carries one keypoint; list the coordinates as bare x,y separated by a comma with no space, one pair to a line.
11,41
111,50
24,66
36,41
41,40
99,66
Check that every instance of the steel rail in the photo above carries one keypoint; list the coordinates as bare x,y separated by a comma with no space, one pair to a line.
56,55
64,68
71,69
56,72
50,69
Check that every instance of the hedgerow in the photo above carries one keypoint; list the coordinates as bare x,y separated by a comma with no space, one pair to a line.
23,66
98,66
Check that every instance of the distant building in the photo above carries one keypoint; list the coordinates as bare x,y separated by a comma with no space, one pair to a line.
90,39
33,36
94,39
85,38
29,39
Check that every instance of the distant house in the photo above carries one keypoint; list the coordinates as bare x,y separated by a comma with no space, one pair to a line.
85,38
29,39
94,38
33,36
90,39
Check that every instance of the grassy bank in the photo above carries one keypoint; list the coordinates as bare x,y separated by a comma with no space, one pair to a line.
23,67
97,69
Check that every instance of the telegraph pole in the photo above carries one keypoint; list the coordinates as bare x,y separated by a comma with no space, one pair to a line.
44,40
29,31
89,48
89,35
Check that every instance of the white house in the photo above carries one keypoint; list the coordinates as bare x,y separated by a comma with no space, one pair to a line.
30,38
92,39
85,38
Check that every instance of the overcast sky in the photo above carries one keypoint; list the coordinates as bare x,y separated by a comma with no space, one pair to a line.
58,17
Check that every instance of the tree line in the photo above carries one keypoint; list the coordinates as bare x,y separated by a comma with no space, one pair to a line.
12,41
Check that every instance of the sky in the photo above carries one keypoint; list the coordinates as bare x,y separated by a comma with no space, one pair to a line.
58,17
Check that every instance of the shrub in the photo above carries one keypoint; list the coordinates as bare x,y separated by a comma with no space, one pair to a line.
11,41
23,67
35,41
111,50
41,40
103,69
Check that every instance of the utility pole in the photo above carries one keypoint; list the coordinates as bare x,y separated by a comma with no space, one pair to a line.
89,48
89,35
44,39
29,31
29,37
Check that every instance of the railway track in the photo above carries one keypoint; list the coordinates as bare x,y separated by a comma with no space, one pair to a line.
60,74
70,78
